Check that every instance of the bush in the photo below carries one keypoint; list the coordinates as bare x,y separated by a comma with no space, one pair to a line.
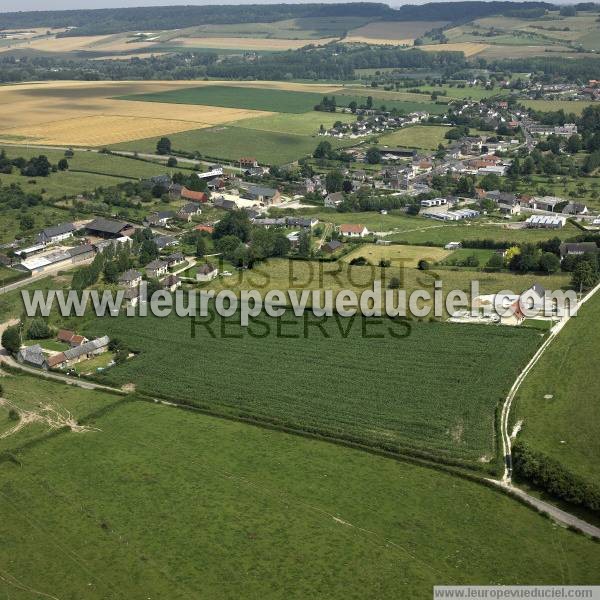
394,283
423,265
39,330
11,339
553,477
359,261
13,415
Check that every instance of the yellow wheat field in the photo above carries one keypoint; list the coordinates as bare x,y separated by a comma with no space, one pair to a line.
243,43
359,39
87,114
108,43
468,48
99,130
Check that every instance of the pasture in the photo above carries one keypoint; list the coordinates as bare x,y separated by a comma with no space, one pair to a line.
233,143
450,414
80,503
417,136
558,403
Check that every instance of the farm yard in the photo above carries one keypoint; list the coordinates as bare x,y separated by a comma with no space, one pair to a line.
81,502
450,414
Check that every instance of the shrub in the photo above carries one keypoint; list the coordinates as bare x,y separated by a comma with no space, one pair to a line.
39,330
553,477
11,339
13,415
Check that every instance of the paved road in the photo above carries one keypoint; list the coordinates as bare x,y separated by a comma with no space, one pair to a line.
556,514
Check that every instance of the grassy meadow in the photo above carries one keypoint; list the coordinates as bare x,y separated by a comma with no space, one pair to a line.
233,143
341,523
559,402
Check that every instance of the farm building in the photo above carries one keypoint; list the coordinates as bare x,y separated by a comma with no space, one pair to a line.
194,196
546,221
71,338
109,228
264,195
33,356
433,202
57,233
207,175
87,350
57,259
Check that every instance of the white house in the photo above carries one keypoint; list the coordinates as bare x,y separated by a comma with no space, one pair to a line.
353,230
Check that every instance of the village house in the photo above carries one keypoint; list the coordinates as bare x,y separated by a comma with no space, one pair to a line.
171,283
577,249
33,356
206,272
185,213
353,230
248,162
130,278
165,241
332,246
159,219
157,268
174,259
333,199
575,208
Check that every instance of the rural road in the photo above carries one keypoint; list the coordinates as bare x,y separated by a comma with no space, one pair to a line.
126,153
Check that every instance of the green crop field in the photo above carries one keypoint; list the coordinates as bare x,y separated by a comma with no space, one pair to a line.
237,97
233,143
418,136
559,402
380,391
76,507
283,101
